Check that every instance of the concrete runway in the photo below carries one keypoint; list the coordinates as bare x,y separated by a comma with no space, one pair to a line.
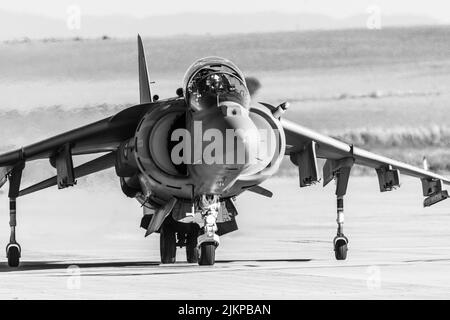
85,244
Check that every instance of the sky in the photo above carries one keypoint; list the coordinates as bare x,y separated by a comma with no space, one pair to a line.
437,9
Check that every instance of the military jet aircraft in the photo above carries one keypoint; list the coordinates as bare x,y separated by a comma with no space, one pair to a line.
186,159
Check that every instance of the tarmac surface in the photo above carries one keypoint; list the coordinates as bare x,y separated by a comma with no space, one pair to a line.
86,244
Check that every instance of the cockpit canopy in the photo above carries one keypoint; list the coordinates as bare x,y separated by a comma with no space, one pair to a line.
213,80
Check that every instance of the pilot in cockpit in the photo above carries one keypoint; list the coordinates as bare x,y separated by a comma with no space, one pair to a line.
210,87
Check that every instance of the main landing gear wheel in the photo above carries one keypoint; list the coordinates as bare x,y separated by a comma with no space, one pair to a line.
13,254
207,254
191,248
340,248
167,245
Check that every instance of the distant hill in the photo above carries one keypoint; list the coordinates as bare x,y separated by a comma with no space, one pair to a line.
20,25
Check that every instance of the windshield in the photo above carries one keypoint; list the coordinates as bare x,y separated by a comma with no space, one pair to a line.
208,88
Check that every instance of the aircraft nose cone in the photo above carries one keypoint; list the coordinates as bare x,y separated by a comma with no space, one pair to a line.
228,146
241,136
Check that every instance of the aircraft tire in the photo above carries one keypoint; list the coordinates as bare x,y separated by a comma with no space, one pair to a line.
340,249
191,248
167,244
13,257
207,254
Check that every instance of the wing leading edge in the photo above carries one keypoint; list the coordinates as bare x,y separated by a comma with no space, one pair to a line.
304,145
99,137
102,136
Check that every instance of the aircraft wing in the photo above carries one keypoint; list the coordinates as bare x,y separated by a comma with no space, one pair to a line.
305,145
99,137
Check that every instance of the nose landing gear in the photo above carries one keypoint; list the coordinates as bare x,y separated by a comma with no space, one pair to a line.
199,238
207,254
209,240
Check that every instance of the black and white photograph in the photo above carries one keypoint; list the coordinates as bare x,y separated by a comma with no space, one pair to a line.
238,151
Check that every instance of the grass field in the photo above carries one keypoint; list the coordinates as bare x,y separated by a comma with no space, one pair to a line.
386,90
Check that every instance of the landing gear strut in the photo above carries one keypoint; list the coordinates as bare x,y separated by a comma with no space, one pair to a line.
340,241
340,171
208,241
13,249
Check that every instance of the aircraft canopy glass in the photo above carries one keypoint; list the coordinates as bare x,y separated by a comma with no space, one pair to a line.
210,82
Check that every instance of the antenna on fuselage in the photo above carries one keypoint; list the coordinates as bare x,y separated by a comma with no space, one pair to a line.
425,163
144,81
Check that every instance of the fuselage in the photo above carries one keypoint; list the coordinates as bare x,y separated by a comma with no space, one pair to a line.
210,141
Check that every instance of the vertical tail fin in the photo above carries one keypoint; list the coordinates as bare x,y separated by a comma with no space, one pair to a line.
144,81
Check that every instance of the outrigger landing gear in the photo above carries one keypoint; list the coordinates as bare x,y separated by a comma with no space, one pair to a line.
340,171
13,249
209,240
340,241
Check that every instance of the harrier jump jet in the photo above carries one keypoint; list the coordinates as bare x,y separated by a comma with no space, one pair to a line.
186,159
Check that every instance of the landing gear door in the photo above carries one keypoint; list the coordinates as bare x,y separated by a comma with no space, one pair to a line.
306,160
226,219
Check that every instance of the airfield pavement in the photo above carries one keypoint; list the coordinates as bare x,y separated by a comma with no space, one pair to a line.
79,244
